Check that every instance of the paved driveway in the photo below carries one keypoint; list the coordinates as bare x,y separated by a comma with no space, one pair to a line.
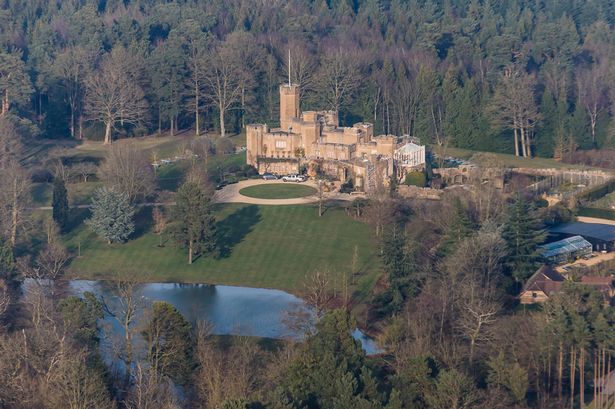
230,194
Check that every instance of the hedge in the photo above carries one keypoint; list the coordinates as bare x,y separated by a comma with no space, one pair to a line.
416,179
598,213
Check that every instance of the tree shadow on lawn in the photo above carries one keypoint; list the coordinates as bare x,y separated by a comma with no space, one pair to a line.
234,228
76,217
143,221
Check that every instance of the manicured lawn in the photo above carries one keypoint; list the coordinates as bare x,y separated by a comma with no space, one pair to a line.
78,193
277,191
261,246
511,160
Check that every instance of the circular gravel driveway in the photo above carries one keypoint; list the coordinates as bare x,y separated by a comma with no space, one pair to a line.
230,194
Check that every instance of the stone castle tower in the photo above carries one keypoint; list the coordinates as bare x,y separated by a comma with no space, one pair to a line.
289,105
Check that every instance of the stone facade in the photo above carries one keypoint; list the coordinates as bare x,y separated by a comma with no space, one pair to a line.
305,137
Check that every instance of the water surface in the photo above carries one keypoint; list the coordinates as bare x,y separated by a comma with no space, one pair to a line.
230,310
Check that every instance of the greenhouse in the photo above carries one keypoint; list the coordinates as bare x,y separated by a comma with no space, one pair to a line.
566,249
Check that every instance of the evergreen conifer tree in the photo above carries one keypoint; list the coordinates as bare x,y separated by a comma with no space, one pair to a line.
7,261
523,232
461,227
112,215
60,203
194,225
398,257
168,336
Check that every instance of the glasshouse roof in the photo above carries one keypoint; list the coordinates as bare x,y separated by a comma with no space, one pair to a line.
569,245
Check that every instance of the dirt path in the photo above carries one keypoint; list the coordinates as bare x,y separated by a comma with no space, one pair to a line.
584,219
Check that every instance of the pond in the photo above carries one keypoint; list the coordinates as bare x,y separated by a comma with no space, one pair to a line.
230,310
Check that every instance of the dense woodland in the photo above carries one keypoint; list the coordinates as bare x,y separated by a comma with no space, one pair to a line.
525,78
470,74
444,308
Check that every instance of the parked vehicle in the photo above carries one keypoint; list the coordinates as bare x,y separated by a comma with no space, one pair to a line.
294,178
269,176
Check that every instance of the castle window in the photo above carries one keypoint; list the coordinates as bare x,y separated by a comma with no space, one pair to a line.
280,144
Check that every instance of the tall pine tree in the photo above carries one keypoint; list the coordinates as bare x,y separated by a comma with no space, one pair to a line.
523,233
398,257
60,203
194,225
461,226
169,342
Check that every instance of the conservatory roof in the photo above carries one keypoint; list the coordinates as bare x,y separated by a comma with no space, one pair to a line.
409,148
566,246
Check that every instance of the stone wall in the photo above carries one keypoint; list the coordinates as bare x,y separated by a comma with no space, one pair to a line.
419,192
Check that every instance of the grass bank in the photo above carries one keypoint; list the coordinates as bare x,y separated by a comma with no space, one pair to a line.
597,213
261,246
511,161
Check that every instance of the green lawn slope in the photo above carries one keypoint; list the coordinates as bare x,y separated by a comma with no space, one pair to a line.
261,246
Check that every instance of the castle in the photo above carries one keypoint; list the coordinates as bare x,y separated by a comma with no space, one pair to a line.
314,139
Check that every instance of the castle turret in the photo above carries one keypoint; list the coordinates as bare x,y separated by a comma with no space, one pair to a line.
289,105
254,142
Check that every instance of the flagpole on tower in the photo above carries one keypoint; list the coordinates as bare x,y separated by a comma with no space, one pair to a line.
289,67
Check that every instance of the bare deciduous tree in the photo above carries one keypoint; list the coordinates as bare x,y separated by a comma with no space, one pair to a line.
339,77
380,206
72,384
593,92
15,195
403,96
317,292
223,375
321,196
124,308
62,171
72,66
248,56
113,96
195,45
84,170
15,86
476,318
150,391
224,81
5,301
303,65
127,169
50,263
10,142
480,257
160,223
514,108
203,147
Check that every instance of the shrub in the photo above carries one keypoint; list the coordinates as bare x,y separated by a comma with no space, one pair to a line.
224,146
416,179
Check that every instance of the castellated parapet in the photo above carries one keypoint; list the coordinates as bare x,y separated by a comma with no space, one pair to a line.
309,136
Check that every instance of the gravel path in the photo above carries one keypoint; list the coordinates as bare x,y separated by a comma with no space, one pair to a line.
584,219
230,194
